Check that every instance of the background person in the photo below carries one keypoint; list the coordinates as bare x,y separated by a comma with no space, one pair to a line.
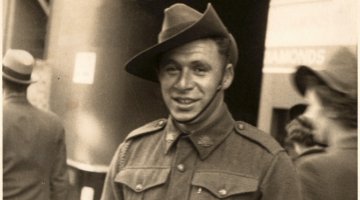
199,152
331,94
299,134
34,155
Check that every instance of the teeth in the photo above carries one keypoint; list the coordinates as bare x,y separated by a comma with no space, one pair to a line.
185,101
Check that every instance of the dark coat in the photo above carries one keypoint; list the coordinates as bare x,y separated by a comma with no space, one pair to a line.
331,175
34,155
309,152
224,160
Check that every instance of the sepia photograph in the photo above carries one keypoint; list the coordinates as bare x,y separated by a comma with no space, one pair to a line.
179,99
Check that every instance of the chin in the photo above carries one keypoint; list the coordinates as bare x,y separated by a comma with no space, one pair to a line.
182,117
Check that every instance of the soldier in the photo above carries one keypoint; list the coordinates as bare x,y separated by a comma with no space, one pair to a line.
331,94
34,155
199,152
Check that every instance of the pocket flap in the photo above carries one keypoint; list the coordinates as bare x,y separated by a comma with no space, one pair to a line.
224,184
140,179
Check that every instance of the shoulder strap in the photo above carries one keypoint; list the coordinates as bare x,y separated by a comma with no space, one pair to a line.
258,136
147,128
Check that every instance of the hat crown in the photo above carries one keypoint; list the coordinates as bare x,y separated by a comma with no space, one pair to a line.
178,14
18,66
341,70
19,61
176,18
339,73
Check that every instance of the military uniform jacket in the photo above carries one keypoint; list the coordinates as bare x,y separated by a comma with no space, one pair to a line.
225,160
34,157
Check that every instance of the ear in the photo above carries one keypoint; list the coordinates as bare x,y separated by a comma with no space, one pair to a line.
228,76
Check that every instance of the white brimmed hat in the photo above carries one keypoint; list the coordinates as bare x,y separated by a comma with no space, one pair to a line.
17,66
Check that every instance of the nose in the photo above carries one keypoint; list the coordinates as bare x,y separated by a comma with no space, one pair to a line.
184,81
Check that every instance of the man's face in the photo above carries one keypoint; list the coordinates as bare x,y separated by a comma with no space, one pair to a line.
317,115
189,76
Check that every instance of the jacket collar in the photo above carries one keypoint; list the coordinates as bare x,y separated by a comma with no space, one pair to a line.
206,138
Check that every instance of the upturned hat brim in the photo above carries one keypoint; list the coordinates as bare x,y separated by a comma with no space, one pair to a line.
144,63
301,80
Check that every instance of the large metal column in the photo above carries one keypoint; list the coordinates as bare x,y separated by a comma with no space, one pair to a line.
88,43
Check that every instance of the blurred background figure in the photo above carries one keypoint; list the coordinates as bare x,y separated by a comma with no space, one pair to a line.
34,155
331,94
299,134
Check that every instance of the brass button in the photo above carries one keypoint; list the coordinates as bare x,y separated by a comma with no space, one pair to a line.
139,187
222,192
181,167
241,126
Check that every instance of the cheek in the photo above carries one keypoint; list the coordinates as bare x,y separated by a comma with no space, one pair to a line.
165,83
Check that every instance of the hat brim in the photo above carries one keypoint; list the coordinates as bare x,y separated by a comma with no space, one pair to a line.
144,64
301,78
10,78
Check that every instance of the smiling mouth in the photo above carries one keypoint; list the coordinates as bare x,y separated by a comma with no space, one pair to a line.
185,101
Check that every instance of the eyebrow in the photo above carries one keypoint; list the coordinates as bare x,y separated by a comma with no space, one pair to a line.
163,62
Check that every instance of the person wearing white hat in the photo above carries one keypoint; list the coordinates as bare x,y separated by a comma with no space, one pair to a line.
331,94
34,152
200,151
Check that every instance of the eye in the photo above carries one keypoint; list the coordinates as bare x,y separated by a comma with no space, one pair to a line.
200,69
170,68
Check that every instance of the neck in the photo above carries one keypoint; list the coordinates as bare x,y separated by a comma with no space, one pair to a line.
337,133
9,93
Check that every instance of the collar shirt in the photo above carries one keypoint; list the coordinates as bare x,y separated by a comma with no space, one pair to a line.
223,159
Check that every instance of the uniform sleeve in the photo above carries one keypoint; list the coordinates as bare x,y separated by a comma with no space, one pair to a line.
111,189
281,181
59,177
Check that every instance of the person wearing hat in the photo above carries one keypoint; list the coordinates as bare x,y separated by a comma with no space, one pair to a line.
331,94
299,134
34,155
199,152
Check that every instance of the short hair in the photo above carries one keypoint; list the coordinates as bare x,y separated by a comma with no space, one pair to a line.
13,86
223,44
343,105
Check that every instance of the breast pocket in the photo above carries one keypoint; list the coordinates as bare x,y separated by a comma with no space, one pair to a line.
223,185
143,183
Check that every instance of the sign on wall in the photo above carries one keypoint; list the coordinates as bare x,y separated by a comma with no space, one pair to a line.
84,70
